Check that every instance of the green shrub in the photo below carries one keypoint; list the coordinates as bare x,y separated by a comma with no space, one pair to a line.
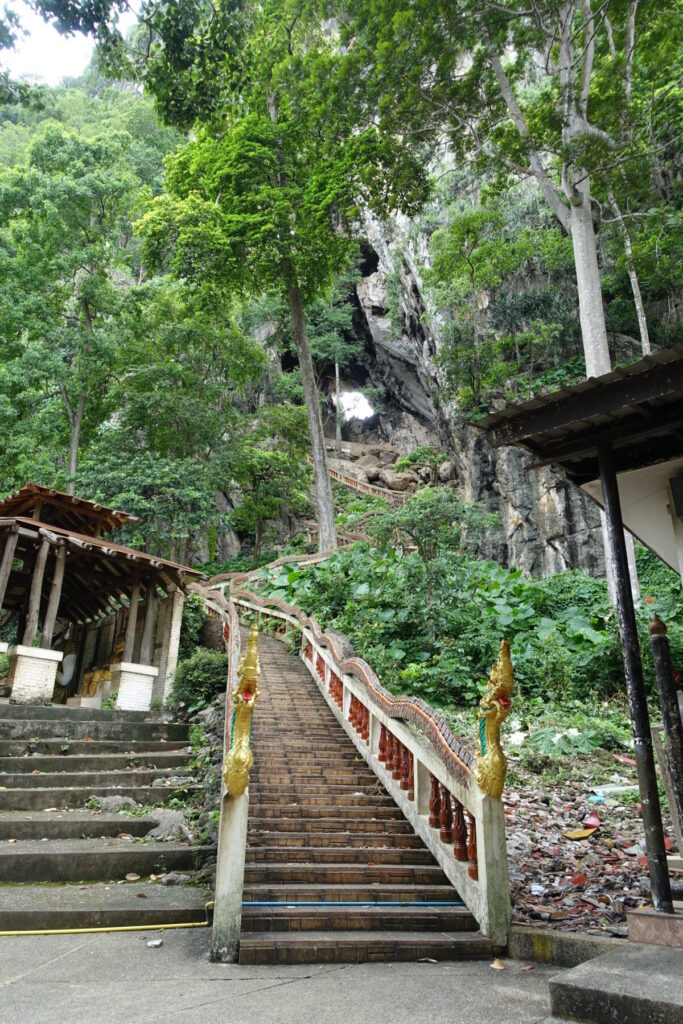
200,677
194,618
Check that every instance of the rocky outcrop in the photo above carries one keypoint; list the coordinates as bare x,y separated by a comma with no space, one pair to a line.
545,524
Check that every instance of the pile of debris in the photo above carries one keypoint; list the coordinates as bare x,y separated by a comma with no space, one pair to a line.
577,855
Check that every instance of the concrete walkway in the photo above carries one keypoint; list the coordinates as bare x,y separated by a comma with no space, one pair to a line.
116,979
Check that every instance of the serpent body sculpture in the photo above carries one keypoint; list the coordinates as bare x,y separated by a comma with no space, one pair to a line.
239,761
494,707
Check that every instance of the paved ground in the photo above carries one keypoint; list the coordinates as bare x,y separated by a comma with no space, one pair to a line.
116,979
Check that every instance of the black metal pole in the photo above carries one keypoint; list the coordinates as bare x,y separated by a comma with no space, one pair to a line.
635,686
671,716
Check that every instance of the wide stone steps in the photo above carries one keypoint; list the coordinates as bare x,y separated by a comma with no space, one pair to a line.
104,762
62,862
78,796
316,823
72,860
70,825
26,745
99,905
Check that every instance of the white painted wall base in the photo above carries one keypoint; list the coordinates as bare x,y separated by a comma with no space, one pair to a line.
32,674
85,702
134,685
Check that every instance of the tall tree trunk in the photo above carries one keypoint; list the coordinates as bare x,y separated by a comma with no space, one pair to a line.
75,422
327,536
591,312
337,418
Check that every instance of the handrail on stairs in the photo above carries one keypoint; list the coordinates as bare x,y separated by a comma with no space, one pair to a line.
451,798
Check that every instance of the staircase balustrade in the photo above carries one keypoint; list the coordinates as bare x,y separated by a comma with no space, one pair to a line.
451,799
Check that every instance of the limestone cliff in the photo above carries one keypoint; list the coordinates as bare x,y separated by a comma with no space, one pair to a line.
545,523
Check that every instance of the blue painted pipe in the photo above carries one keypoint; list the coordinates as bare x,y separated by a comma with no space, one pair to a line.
353,903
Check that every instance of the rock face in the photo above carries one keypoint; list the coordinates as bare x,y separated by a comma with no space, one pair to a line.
545,524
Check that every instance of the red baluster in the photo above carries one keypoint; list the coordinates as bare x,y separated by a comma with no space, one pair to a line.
309,652
405,769
434,803
473,870
446,817
459,832
352,711
366,725
382,752
411,777
397,770
320,666
391,751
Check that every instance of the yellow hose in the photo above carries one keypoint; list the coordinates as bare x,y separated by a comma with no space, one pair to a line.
118,928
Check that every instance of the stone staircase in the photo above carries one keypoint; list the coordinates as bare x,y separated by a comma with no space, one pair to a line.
63,862
333,870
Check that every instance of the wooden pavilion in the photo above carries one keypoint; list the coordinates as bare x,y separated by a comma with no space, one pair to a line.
105,612
619,438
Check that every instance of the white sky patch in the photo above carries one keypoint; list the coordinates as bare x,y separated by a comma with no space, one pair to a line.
356,406
44,54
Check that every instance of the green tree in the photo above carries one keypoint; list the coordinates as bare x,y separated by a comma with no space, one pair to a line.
268,193
64,254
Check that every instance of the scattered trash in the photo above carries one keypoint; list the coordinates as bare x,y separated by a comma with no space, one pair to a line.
498,965
427,960
132,877
154,943
142,895
580,833
527,967
593,820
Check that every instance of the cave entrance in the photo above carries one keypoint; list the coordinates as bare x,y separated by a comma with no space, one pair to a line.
355,406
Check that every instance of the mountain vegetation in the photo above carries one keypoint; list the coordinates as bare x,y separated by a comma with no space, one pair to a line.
183,233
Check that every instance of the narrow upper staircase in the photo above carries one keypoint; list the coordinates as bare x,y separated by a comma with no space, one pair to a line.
63,861
334,872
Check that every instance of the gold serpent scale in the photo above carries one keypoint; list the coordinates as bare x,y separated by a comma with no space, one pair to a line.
494,707
240,759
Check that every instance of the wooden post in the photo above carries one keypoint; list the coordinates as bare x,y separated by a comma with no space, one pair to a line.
55,595
129,644
671,716
34,596
147,629
6,563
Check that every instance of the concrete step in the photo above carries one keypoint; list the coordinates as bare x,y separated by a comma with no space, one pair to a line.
343,874
72,860
638,984
336,795
359,947
356,813
78,796
337,825
24,907
60,713
130,777
82,729
336,855
369,918
70,825
302,892
382,841
49,746
93,762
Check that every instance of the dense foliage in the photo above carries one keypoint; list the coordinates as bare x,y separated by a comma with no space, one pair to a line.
433,627
200,678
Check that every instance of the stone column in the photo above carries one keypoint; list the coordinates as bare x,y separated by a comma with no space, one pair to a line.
170,641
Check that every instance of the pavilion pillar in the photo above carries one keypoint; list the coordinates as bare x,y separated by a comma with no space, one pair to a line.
171,623
146,645
635,686
54,599
6,563
129,644
34,596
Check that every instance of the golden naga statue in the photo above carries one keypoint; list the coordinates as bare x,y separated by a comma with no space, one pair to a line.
240,759
494,707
